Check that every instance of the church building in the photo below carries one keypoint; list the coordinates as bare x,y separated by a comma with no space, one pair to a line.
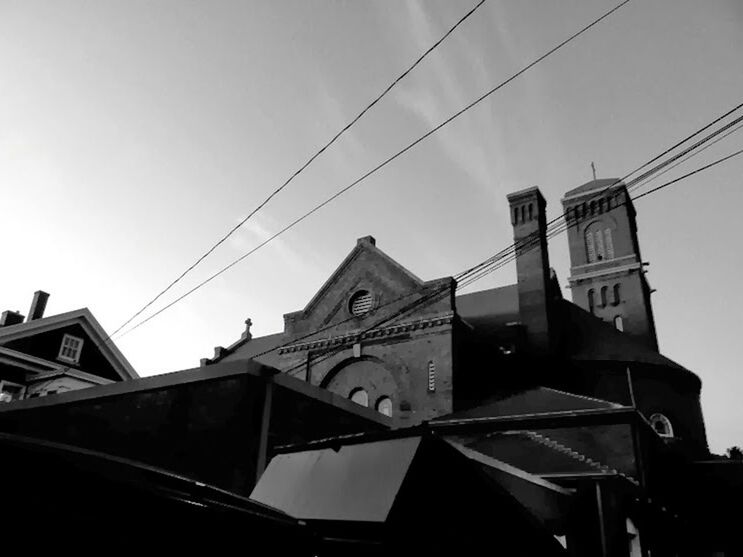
416,350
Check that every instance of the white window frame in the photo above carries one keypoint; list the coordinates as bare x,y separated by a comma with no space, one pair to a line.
78,350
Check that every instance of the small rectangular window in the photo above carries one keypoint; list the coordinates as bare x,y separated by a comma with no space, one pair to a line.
11,391
70,349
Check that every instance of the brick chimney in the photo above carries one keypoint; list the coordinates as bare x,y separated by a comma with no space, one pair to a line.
38,305
529,220
9,318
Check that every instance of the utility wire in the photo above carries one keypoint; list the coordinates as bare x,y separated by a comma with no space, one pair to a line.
381,165
469,275
303,167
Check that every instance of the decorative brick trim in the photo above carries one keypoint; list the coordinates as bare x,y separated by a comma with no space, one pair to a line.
354,337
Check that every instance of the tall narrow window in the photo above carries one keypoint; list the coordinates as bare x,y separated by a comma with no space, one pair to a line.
591,300
601,205
431,376
609,244
593,207
617,295
359,396
531,211
604,296
600,253
515,215
590,247
618,323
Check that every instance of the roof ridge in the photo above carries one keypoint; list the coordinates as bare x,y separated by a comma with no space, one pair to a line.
585,397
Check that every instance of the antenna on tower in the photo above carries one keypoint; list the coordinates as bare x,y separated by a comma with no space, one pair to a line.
593,168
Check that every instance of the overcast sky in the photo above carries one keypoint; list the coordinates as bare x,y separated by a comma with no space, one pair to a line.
134,134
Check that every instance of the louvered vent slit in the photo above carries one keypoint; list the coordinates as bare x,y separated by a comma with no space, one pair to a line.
361,303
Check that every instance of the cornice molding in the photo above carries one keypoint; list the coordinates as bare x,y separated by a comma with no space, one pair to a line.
354,337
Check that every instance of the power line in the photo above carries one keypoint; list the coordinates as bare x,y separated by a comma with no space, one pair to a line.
380,165
303,167
468,276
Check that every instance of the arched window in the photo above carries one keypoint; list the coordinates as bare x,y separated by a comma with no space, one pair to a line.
359,396
617,295
608,243
618,323
590,247
591,300
431,376
604,296
600,251
384,406
661,425
523,213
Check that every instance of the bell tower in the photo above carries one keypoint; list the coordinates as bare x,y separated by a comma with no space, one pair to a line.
607,275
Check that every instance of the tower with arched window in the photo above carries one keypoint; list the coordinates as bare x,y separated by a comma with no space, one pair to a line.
607,274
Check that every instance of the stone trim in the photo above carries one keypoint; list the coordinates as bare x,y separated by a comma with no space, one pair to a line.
607,272
354,337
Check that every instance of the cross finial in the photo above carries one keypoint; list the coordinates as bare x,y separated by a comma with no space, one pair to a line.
593,168
248,324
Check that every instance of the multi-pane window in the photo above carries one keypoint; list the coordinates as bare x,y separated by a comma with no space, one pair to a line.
431,376
70,349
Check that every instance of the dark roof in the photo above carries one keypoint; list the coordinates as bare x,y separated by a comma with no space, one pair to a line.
590,338
539,400
261,349
491,308
601,183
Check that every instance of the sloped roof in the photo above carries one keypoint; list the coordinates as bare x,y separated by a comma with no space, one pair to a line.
600,184
90,324
491,308
538,400
261,349
590,338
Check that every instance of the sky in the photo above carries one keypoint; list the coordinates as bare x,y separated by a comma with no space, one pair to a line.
134,135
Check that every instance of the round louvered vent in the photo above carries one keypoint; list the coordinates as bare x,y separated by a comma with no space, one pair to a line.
361,302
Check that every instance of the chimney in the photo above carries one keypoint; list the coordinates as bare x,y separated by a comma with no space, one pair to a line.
529,220
9,318
38,305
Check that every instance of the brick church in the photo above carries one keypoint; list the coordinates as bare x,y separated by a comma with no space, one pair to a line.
451,353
